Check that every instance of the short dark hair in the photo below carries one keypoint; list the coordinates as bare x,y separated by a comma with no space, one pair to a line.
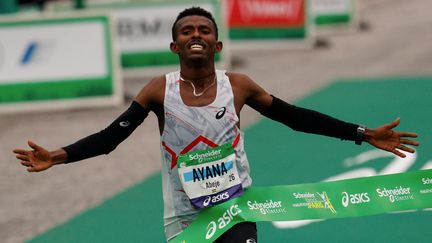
190,12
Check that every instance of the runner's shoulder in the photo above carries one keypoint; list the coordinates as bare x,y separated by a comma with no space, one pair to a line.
243,83
239,79
237,76
152,94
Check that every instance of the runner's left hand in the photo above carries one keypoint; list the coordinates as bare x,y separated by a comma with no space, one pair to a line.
385,138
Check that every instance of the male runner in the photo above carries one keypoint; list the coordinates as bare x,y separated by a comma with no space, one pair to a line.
198,108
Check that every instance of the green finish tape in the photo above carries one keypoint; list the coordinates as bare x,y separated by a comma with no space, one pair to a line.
338,199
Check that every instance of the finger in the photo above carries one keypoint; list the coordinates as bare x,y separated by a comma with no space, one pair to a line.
34,146
34,169
31,169
405,148
22,157
408,134
398,153
20,151
409,142
26,163
394,123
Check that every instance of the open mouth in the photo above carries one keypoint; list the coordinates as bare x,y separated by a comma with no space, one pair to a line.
196,47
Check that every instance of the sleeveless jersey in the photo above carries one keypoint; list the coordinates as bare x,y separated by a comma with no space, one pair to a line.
189,129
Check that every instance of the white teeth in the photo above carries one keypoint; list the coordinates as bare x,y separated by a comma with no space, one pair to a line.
196,47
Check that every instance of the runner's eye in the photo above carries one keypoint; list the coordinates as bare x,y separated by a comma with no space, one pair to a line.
205,31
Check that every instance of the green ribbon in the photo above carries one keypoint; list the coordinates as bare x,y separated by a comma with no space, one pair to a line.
337,199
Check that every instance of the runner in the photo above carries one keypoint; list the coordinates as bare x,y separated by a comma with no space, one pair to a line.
198,109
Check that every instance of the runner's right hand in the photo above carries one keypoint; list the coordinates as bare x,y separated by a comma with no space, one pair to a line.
37,159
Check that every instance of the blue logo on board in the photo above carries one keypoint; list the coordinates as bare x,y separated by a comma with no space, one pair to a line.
29,53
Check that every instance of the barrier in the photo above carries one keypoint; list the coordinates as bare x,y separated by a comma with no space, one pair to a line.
57,63
334,16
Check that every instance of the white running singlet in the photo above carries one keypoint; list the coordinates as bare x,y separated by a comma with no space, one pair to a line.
189,129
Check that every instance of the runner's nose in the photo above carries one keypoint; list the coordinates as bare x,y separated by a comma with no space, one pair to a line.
196,34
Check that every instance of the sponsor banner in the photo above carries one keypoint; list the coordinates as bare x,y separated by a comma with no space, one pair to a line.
336,199
57,59
143,30
266,19
266,13
329,12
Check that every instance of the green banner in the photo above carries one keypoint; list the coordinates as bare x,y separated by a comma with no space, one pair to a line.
337,199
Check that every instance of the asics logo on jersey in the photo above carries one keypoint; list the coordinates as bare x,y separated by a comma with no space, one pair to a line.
250,240
220,113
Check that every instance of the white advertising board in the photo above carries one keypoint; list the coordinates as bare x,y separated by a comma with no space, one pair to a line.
334,16
57,62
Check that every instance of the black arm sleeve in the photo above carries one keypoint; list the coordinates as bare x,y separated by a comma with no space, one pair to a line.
310,121
107,140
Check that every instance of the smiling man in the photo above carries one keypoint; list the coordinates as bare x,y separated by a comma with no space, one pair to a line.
198,109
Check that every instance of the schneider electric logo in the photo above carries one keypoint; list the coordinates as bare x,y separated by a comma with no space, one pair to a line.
397,194
267,207
427,181
354,198
205,156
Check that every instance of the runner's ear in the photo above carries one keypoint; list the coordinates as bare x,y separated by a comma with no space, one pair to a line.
219,46
174,48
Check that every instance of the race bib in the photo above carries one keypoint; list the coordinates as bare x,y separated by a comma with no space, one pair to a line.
210,176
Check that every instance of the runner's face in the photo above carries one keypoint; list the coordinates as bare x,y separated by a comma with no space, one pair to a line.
196,38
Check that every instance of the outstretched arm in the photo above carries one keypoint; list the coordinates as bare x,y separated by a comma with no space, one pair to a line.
309,121
304,120
385,138
103,142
